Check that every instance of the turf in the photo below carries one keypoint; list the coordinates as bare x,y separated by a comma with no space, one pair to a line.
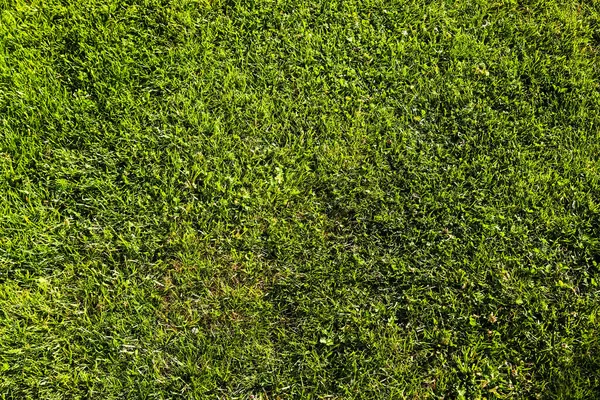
299,199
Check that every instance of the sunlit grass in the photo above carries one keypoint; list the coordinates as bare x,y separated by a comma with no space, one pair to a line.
299,199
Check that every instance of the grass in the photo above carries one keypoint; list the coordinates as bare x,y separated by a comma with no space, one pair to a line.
299,199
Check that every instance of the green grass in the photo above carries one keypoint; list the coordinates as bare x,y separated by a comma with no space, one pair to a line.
299,199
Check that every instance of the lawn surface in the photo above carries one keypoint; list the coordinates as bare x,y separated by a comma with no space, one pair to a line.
253,199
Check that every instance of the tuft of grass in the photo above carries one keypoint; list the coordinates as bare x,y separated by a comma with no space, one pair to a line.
299,199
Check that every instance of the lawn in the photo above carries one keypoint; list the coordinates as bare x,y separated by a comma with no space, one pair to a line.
287,199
